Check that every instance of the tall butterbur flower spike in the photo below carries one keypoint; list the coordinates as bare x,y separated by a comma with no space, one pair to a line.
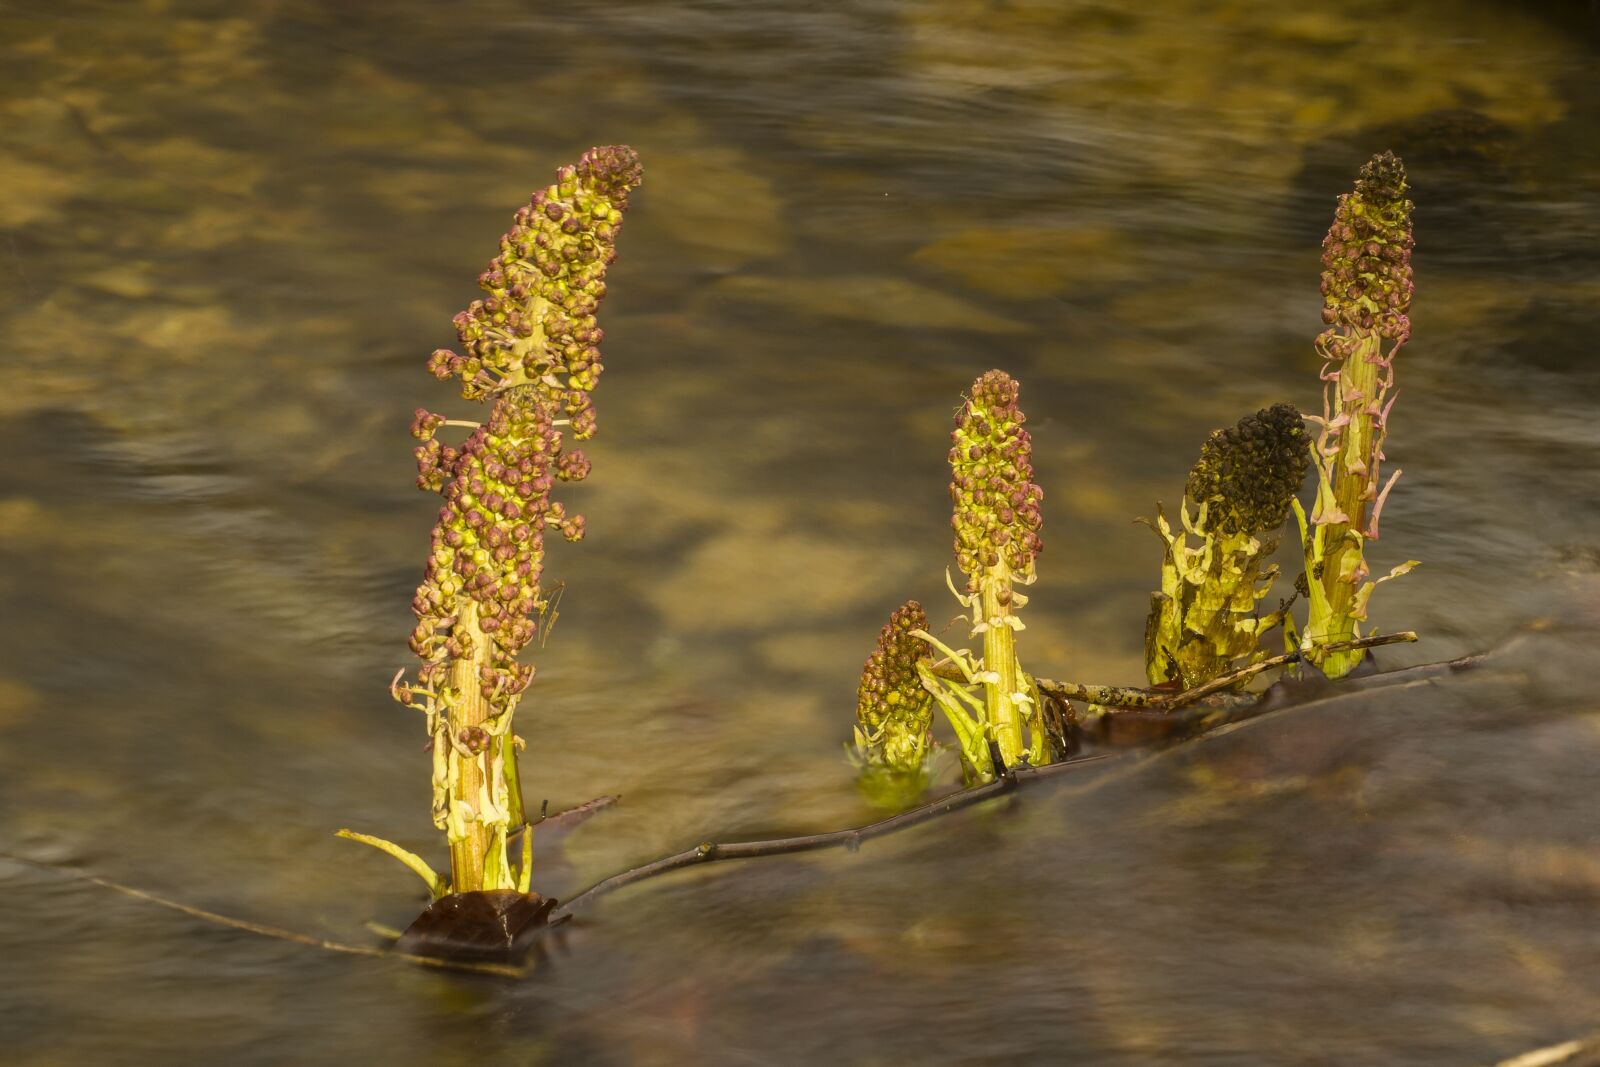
1366,289
531,352
894,713
1205,618
997,520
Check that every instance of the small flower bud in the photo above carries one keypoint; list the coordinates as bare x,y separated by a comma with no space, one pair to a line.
892,707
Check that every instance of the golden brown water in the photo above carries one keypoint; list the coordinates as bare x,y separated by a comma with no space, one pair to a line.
231,233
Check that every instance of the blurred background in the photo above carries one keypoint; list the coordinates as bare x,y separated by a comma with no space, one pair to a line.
230,234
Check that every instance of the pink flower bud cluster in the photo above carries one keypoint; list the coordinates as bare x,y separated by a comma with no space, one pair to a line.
1366,259
991,463
487,553
537,325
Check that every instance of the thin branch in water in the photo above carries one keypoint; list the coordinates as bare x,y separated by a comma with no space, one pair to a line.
1109,696
561,820
710,852
1233,678
498,970
1119,696
1009,780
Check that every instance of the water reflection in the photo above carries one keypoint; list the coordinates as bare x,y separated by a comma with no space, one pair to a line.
230,234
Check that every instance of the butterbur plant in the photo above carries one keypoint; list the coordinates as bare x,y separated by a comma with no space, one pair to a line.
1366,289
996,520
1206,617
894,713
532,355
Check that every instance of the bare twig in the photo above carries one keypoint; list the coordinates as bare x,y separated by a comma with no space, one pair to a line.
710,852
498,970
561,820
571,817
1233,678
1120,696
1424,671
1107,696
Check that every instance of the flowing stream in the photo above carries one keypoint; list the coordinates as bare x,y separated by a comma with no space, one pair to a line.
231,233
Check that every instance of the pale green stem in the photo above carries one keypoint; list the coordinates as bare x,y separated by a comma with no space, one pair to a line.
469,837
1000,663
969,737
969,729
1348,488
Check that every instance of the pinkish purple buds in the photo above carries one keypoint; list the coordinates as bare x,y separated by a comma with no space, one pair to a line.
991,465
1367,290
1366,257
426,424
537,326
489,544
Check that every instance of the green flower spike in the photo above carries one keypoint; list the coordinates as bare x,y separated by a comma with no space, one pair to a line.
1204,619
1366,288
894,713
996,520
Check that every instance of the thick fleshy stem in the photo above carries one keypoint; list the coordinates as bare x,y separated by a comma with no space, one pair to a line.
1005,692
1367,290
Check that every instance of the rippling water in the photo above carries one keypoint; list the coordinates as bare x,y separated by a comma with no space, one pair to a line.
229,236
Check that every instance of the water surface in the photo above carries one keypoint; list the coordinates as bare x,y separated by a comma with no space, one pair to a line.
231,233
